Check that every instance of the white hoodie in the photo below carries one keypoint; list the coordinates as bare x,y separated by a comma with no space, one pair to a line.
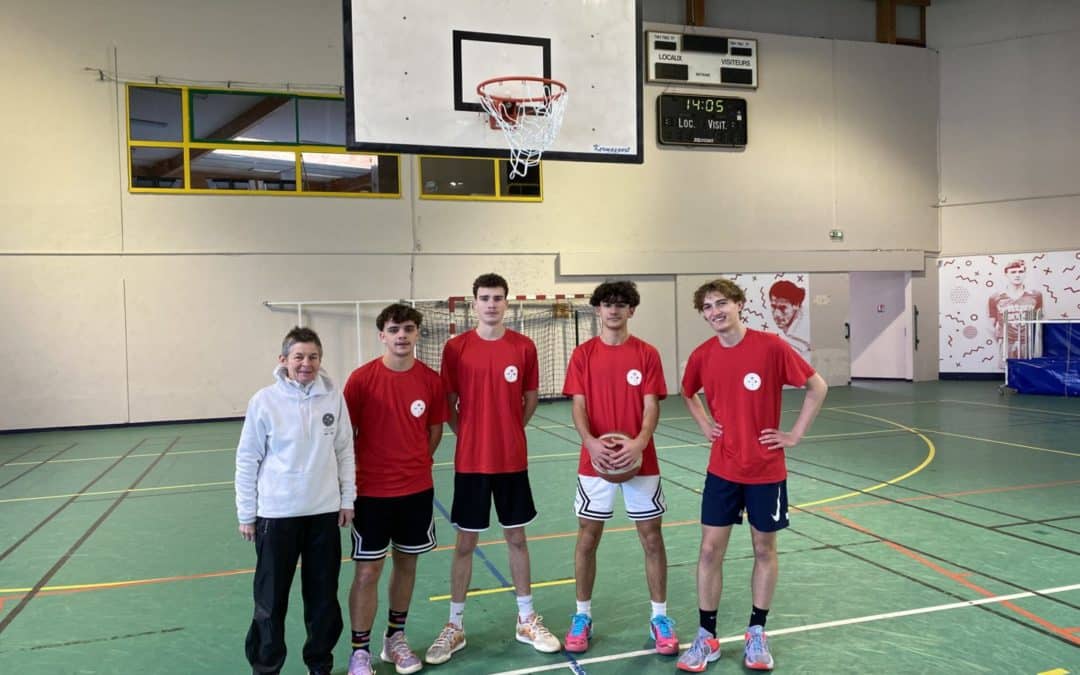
295,456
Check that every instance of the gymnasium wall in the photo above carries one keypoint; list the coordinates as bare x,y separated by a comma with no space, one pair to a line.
1010,128
148,307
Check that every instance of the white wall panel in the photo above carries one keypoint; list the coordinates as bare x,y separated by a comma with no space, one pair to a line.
65,341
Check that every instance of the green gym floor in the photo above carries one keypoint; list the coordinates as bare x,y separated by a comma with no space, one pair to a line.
935,527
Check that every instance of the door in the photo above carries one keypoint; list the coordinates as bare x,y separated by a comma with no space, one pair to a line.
880,318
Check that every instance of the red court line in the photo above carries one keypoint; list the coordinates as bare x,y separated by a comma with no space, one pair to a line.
983,491
959,578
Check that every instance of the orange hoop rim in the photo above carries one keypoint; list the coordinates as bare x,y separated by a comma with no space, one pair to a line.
547,81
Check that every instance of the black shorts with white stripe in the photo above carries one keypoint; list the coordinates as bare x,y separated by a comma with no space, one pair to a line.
407,523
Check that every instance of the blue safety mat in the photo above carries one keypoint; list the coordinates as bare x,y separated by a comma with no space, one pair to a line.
1058,371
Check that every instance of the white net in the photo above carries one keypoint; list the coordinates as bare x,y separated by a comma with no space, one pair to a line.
555,326
529,110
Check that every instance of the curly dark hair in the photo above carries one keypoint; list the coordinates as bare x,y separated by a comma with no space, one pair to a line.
616,291
398,313
490,280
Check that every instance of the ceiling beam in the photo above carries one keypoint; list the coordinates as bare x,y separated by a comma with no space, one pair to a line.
173,165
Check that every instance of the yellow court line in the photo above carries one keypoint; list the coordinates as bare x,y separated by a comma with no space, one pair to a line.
505,589
116,492
1012,407
931,452
1009,443
541,584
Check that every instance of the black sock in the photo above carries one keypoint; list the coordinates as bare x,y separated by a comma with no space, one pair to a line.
708,620
396,622
361,639
758,616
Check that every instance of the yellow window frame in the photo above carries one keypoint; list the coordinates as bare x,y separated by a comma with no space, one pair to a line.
500,189
186,145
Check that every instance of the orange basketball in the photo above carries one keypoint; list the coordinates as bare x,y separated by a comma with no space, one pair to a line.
620,475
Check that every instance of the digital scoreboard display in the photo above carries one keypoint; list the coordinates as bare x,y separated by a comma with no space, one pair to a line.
692,119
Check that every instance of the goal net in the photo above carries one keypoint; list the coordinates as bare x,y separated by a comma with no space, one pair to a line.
555,323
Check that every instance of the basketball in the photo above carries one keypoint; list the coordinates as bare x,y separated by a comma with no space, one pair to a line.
616,439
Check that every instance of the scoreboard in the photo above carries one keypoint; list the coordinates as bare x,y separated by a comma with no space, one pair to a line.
700,120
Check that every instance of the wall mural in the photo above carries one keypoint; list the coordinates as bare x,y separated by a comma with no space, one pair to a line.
779,303
978,294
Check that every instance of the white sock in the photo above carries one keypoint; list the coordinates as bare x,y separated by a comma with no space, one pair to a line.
658,609
585,607
525,607
457,610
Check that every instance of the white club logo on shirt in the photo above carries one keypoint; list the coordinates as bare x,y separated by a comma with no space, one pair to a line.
633,376
417,408
752,381
511,373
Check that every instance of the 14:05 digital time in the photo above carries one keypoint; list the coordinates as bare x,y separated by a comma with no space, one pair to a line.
706,104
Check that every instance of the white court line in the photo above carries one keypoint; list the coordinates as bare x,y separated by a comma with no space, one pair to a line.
1014,408
802,629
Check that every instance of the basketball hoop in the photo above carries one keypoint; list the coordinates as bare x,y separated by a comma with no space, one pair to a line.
529,110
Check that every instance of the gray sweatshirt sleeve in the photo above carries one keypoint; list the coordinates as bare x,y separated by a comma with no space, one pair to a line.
346,457
249,455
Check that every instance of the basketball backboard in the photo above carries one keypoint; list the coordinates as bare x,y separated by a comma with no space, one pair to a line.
412,67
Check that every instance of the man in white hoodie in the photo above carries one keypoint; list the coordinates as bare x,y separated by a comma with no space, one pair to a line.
295,486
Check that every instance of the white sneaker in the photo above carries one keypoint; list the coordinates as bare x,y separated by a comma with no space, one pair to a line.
450,639
533,632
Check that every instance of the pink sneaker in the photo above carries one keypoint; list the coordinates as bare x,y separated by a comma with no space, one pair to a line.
663,631
577,638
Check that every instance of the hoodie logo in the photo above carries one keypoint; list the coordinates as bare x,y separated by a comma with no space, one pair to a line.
328,420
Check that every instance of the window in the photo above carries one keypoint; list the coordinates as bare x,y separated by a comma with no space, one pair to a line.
187,140
476,178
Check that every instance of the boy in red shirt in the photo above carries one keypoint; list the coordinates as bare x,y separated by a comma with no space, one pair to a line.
617,383
397,406
743,372
491,375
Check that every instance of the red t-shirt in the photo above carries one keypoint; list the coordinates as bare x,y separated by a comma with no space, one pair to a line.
615,381
742,390
490,378
391,413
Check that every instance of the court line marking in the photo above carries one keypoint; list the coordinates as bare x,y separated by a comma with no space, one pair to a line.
1012,407
738,639
491,542
10,616
957,577
1009,443
104,457
543,427
99,493
930,454
925,462
441,465
962,493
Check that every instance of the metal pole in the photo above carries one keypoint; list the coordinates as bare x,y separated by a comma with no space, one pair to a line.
359,352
